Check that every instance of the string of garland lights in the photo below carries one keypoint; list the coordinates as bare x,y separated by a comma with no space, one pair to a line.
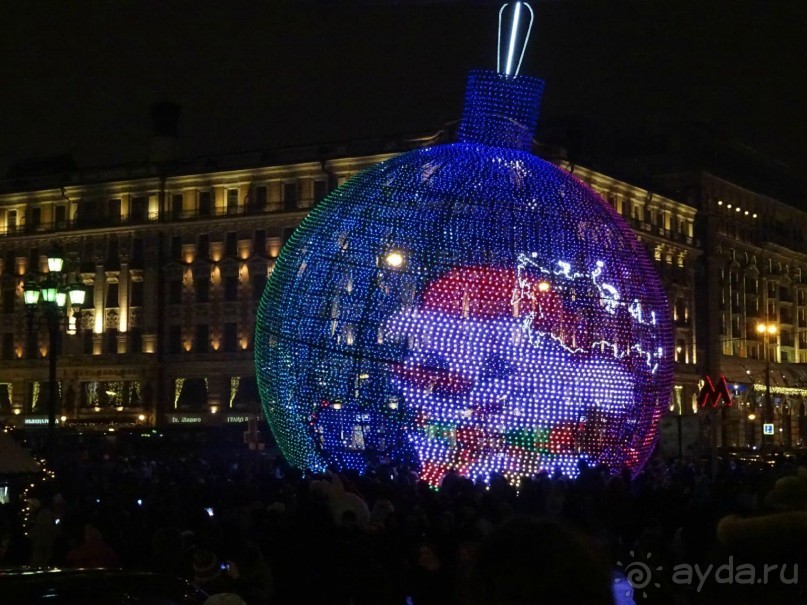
466,307
33,481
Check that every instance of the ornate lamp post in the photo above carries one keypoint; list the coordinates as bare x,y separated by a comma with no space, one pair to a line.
767,330
47,295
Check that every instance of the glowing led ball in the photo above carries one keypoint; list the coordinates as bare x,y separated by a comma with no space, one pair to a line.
466,306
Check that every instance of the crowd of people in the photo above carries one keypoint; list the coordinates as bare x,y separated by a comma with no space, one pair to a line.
246,523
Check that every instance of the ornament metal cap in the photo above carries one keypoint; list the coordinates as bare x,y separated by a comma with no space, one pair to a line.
501,107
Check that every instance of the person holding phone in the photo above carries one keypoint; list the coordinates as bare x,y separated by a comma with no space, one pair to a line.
210,574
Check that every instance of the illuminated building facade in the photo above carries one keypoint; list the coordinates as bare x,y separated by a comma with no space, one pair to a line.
754,274
174,259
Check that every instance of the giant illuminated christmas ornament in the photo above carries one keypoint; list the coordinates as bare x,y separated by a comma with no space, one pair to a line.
466,306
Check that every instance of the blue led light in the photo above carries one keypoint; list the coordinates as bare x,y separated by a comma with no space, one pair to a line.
467,306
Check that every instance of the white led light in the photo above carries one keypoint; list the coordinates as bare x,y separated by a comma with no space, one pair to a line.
513,39
394,259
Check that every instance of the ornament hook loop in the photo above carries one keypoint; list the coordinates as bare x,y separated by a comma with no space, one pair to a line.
518,37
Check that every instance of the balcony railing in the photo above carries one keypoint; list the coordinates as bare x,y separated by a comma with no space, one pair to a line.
675,236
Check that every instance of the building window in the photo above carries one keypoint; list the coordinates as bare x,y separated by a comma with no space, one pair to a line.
89,296
320,190
175,291
136,294
111,344
36,217
9,301
10,263
137,208
86,342
176,247
112,253
61,217
261,197
290,196
113,211
33,259
202,341
680,350
230,344
259,245
174,339
88,258
680,311
8,345
205,204
231,244
231,288
32,346
203,246
258,285
135,341
112,295
11,219
232,201
193,395
138,255
202,286
176,205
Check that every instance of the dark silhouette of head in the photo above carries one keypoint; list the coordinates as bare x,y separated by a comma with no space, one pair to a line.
527,561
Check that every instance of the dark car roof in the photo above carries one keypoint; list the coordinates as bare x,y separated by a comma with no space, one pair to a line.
95,587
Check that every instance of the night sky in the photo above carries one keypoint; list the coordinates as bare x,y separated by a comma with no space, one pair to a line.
79,77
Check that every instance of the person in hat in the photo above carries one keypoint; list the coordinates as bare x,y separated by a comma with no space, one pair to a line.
774,537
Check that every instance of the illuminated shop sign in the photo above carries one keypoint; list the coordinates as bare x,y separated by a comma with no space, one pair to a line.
183,419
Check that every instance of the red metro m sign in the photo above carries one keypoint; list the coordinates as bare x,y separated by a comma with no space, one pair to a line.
712,396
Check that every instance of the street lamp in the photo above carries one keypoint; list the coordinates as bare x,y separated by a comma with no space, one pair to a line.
49,294
767,330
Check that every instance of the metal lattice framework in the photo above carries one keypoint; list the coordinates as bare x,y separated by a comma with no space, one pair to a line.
467,306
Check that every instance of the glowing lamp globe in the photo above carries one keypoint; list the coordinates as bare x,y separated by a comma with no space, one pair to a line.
466,307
